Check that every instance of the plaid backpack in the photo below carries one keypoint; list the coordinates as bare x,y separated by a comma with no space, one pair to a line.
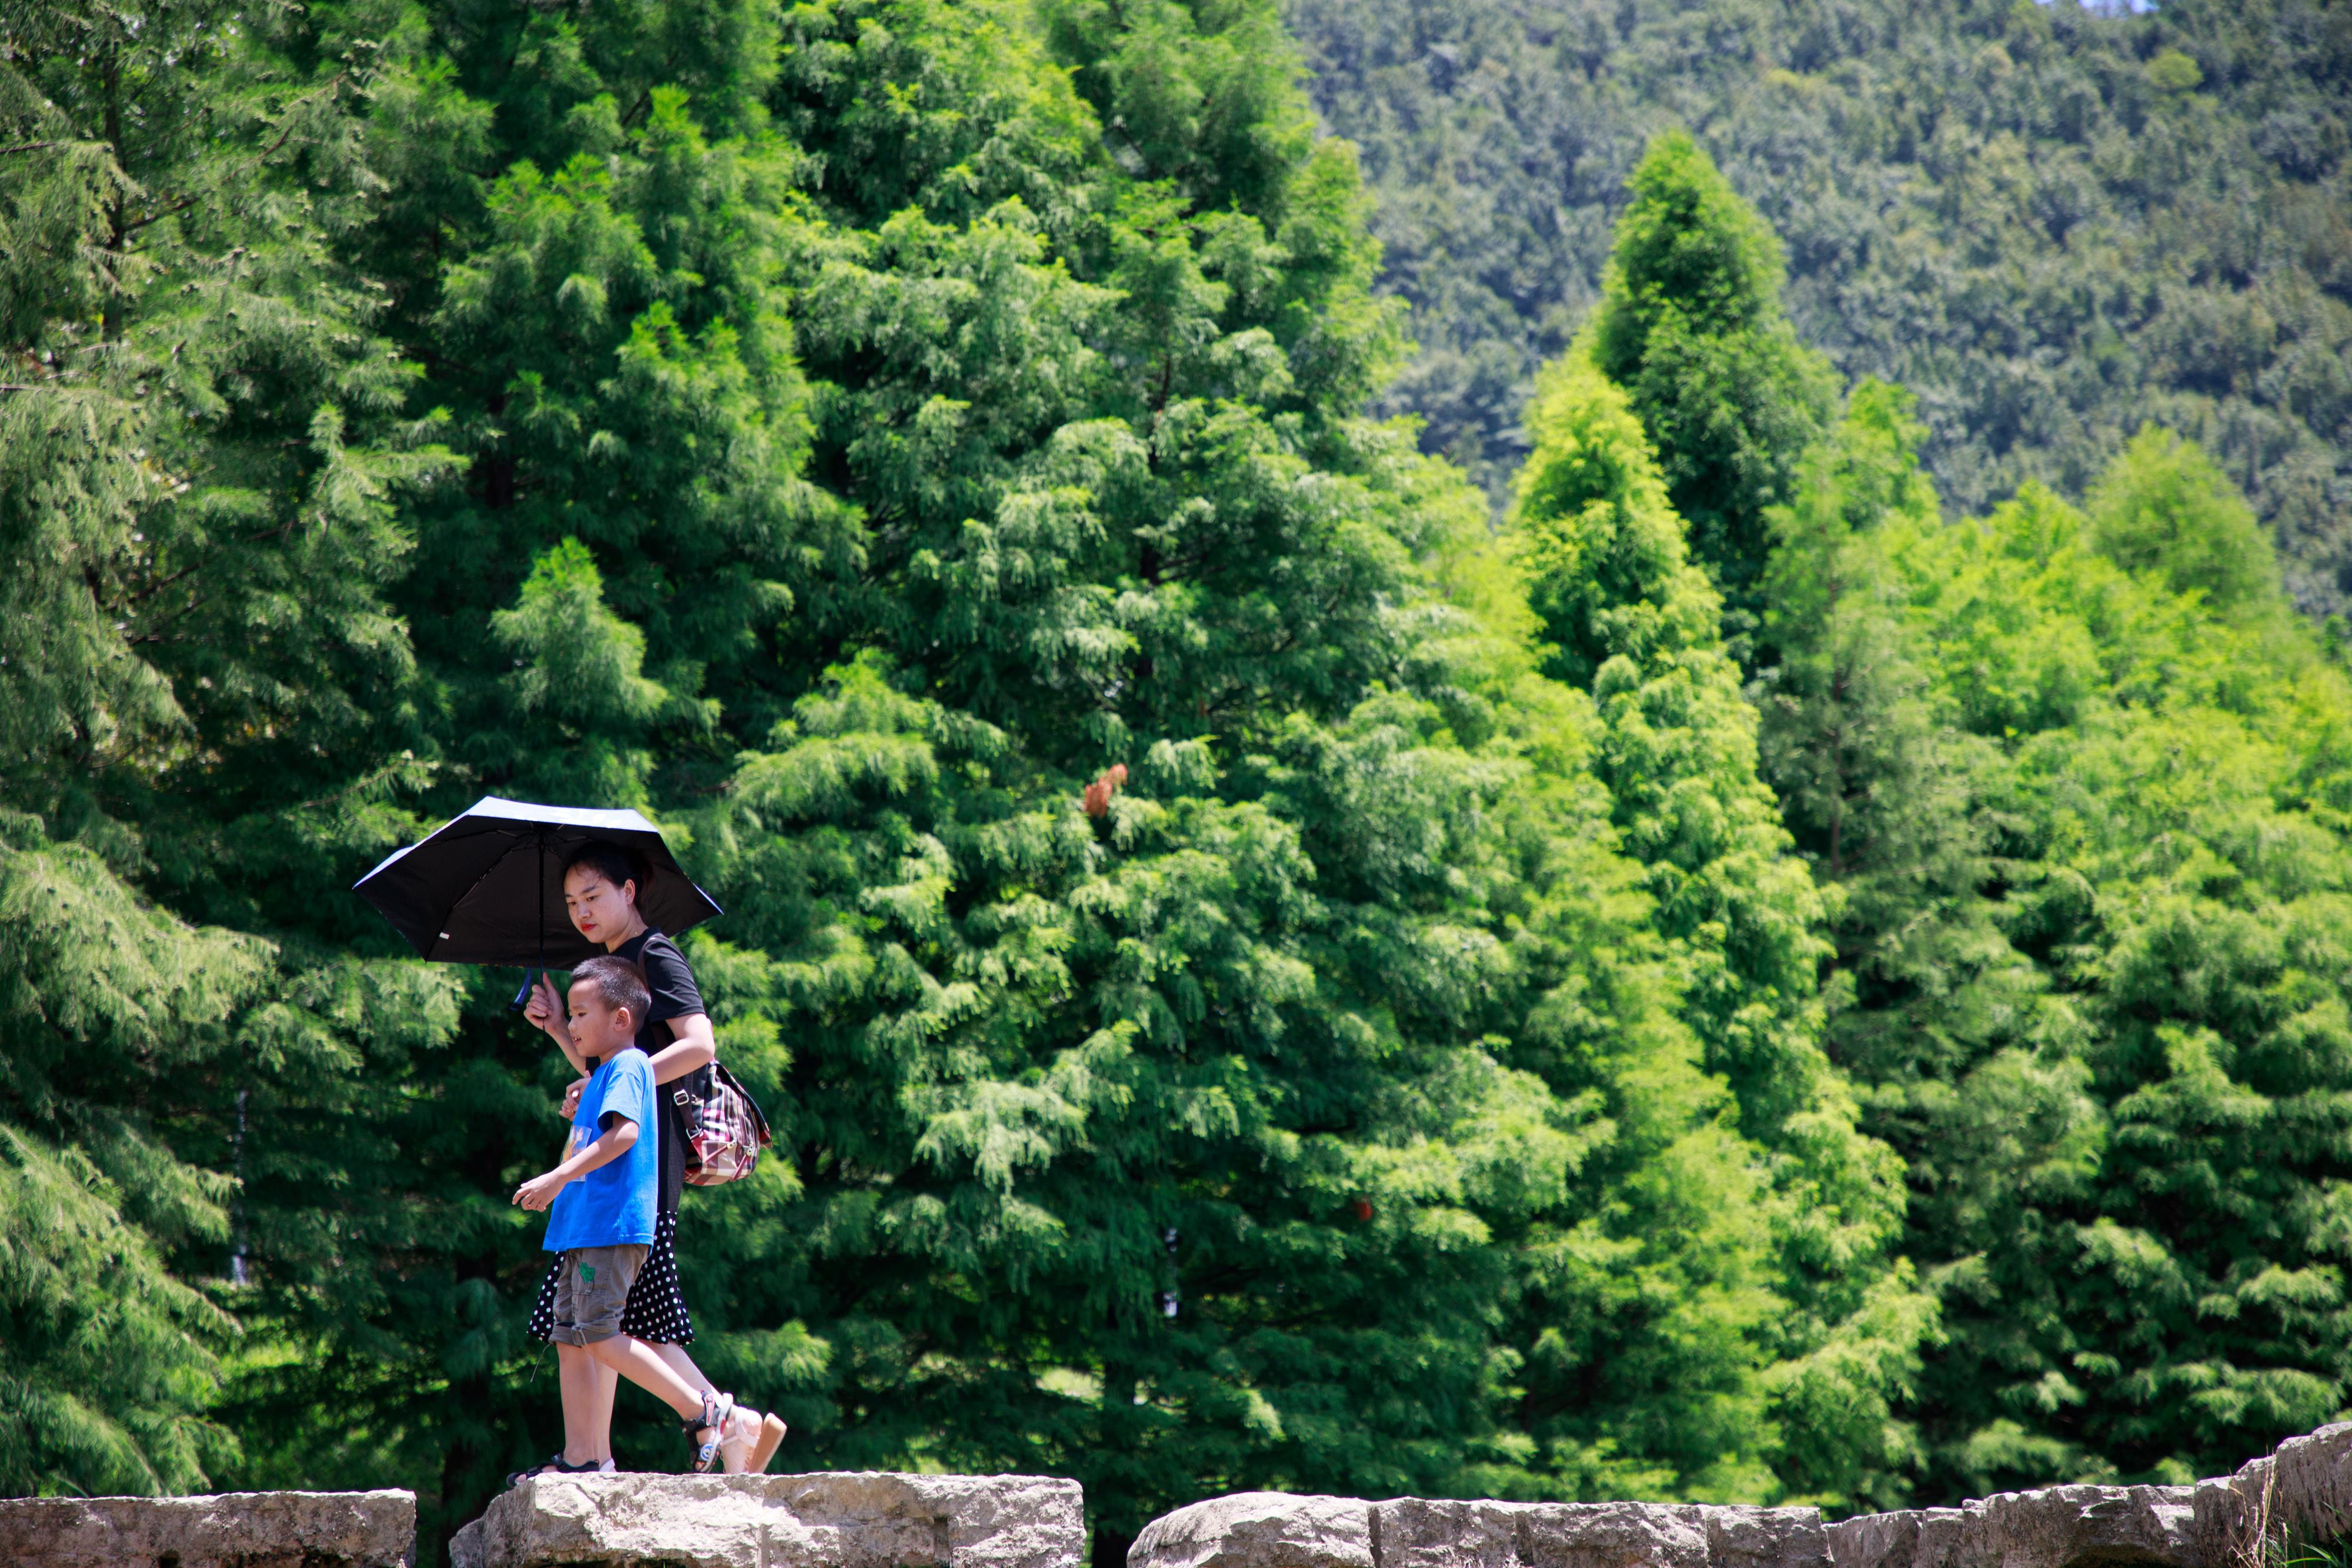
724,1129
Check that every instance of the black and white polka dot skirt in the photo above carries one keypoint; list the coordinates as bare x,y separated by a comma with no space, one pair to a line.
656,1308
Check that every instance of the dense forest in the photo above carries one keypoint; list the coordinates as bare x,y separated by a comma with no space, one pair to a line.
1769,973
2050,222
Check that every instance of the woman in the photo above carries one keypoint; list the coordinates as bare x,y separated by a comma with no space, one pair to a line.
600,892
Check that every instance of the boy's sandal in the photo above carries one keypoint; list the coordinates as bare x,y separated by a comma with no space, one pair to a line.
711,1418
556,1467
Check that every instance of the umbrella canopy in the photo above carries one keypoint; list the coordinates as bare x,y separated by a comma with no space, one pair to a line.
488,887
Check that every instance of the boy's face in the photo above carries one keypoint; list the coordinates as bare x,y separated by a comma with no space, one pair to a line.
596,1030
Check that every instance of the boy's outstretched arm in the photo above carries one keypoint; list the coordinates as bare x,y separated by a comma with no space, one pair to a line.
617,1140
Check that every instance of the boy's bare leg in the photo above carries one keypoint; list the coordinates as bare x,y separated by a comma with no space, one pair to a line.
608,1383
586,1439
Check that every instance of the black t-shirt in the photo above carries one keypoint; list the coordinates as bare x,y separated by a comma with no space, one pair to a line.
676,996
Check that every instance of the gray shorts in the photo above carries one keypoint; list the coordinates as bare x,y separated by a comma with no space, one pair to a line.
592,1287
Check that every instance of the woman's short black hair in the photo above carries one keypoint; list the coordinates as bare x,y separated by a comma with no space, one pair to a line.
611,862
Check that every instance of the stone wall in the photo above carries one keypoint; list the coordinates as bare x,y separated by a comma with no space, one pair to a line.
234,1530
2305,1487
865,1520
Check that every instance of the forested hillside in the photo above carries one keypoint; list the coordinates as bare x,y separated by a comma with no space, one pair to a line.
1751,981
2050,222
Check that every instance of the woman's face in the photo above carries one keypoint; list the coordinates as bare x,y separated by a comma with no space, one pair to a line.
599,911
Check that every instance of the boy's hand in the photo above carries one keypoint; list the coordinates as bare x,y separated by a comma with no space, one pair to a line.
539,1191
571,1099
545,1008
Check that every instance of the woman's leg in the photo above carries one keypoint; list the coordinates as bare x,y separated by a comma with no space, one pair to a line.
634,1360
675,1357
735,1447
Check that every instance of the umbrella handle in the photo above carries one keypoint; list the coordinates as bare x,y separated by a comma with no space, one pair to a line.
522,997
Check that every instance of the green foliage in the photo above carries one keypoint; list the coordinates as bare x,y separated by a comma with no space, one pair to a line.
197,660
1471,1053
115,1358
2166,510
1634,620
2053,223
844,432
2076,776
1690,325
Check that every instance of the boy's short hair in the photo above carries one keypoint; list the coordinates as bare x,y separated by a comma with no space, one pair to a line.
619,983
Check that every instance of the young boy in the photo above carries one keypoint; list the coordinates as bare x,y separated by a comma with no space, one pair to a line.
601,1225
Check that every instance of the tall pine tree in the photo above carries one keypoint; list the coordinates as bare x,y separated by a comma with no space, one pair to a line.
200,689
2037,752
1691,325
1630,618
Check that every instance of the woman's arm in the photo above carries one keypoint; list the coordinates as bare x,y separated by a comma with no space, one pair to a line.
546,1011
692,1045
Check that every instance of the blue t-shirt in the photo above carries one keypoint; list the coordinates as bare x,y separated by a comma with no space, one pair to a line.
613,1204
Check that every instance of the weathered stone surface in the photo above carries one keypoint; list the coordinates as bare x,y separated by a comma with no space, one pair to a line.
842,1519
1613,1535
1878,1540
2306,1486
233,1530
1765,1537
1272,1530
2303,1488
1259,1530
2052,1527
1421,1533
2067,1527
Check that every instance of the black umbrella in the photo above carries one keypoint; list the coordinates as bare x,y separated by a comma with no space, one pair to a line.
488,887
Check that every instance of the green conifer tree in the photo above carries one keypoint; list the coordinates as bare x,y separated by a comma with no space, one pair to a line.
1633,620
2037,752
195,674
1691,325
1886,798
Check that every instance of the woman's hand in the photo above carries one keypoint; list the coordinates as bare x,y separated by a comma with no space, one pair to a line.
571,1099
545,1010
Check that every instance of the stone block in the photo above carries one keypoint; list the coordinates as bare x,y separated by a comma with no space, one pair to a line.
1424,1533
1259,1530
1274,1529
2078,1526
2310,1490
839,1520
1613,1535
1765,1537
843,1519
231,1529
2051,1527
